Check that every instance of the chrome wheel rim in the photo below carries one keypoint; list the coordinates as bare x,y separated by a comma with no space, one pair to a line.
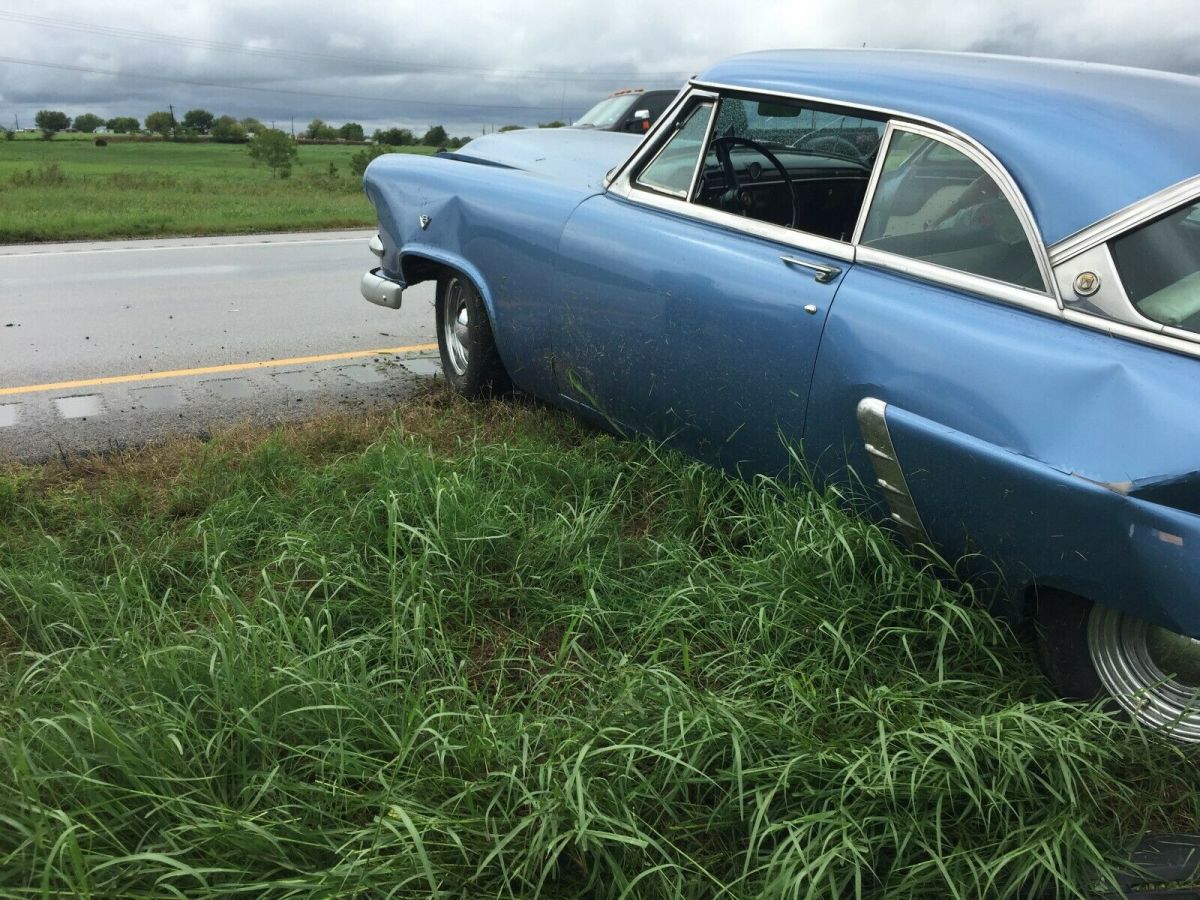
1152,672
456,325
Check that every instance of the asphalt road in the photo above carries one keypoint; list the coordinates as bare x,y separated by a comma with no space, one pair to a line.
115,343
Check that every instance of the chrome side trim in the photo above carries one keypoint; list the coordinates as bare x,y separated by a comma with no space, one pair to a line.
1035,301
889,477
1126,219
1168,339
381,290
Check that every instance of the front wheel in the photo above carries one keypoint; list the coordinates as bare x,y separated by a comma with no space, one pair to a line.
1150,672
470,361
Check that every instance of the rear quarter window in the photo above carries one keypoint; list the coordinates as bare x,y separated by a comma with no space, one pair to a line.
1159,265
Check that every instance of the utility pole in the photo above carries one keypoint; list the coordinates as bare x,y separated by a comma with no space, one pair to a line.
171,107
293,128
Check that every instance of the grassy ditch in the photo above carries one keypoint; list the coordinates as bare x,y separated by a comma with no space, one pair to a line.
482,651
73,190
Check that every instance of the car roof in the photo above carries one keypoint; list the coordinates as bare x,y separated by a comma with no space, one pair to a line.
1082,140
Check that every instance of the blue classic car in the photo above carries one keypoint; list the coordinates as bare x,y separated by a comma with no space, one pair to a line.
972,280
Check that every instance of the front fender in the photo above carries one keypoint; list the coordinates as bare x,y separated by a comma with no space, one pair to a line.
415,251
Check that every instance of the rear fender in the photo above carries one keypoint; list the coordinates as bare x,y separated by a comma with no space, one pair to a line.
1128,546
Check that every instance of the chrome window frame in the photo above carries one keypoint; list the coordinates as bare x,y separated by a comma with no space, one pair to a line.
1125,220
992,168
621,183
1050,258
700,100
1098,238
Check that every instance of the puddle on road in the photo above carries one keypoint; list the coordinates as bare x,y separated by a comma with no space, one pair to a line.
424,366
9,414
162,396
363,374
297,380
79,407
230,388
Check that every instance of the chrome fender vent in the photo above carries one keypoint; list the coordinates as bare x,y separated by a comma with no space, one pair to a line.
889,477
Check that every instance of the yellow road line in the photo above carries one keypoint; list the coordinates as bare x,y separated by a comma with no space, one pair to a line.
211,370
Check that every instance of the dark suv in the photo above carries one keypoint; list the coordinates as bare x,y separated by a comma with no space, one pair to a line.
633,110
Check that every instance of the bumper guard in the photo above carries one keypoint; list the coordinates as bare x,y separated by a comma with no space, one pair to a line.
381,290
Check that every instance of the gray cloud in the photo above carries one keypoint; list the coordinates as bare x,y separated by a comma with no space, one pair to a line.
466,63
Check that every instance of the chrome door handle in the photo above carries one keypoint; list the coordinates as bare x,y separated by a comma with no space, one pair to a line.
822,273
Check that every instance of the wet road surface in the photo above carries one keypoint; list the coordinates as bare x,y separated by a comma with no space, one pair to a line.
113,344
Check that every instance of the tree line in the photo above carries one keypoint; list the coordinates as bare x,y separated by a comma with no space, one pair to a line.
227,129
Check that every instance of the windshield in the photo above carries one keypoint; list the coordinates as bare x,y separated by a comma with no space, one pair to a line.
1159,265
604,114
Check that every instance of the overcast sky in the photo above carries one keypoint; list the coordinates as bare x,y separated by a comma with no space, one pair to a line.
465,64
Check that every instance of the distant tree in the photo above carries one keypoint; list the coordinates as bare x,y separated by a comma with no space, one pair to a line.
199,120
9,134
87,123
122,124
252,125
435,137
555,124
319,131
161,122
228,130
276,150
505,128
351,131
396,137
51,122
457,142
360,160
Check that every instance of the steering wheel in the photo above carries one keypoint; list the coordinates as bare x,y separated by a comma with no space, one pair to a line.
733,200
830,143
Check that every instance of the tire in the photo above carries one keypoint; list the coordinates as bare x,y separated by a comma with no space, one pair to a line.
470,361
1062,627
1149,674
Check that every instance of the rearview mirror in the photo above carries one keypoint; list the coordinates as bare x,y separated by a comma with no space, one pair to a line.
778,110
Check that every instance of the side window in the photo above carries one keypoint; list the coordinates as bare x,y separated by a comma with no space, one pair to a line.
672,168
935,204
1159,265
790,163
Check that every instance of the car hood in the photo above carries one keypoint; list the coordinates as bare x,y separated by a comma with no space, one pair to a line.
577,157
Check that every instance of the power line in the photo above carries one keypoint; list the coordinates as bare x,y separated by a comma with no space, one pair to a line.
409,66
247,87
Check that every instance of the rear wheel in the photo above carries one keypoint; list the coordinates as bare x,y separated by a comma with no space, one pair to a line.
1149,672
470,361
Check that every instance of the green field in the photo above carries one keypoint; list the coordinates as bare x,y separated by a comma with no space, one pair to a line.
70,189
481,651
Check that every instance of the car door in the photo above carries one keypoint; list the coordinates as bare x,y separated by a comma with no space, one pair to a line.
690,309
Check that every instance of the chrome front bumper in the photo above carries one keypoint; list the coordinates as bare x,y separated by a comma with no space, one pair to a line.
380,289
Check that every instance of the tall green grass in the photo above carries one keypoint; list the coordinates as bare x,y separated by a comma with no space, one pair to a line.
517,659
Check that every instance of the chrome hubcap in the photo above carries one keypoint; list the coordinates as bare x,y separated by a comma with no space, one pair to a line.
1153,673
455,326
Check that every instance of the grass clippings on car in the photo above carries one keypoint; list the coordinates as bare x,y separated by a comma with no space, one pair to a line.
481,651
